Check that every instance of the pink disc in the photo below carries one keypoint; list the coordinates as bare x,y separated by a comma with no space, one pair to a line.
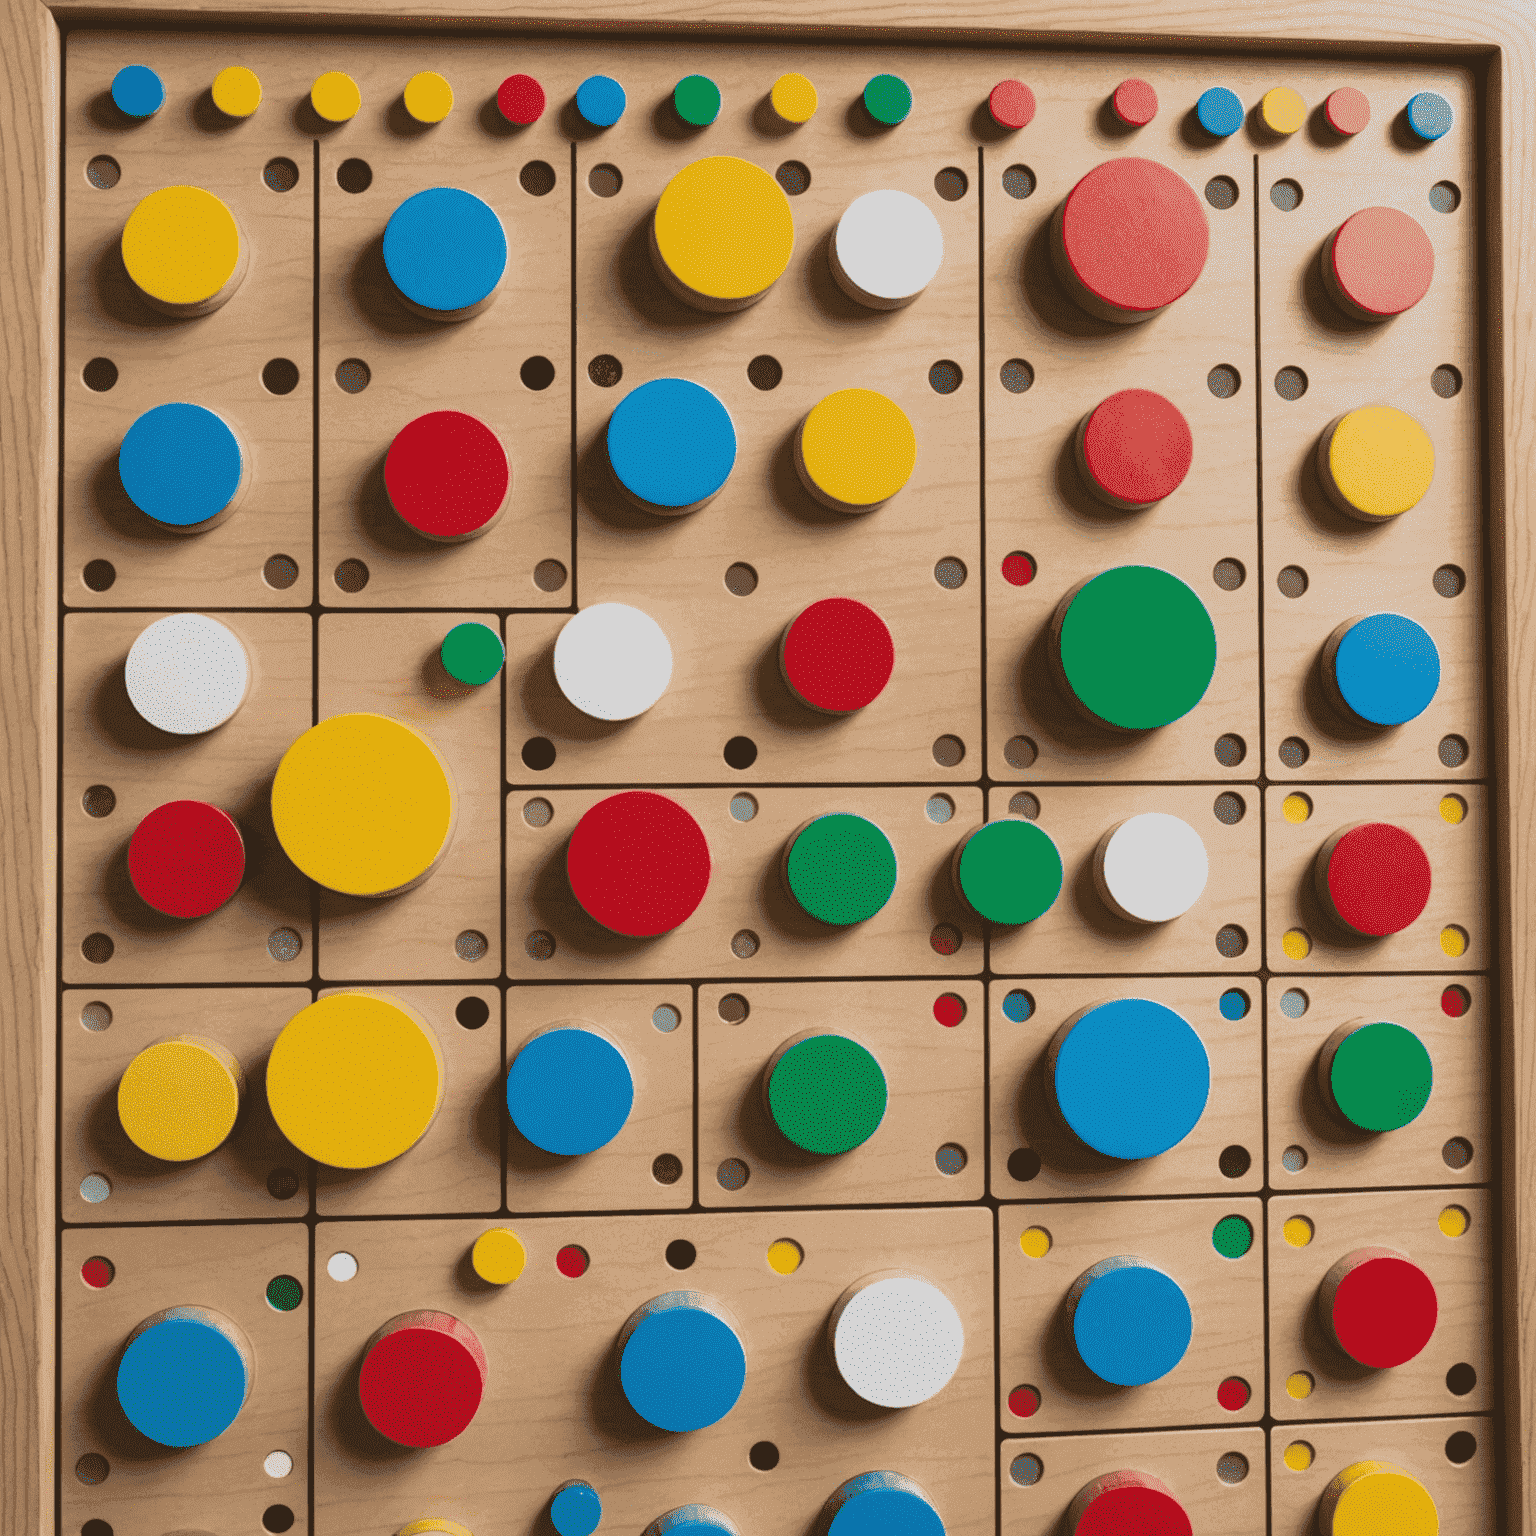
837,655
1381,260
447,475
1135,103
521,99
638,863
186,858
1012,104
1377,878
1137,447
1347,110
422,1378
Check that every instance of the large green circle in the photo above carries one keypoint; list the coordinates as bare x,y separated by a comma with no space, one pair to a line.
1381,1077
1010,871
841,868
827,1094
1137,647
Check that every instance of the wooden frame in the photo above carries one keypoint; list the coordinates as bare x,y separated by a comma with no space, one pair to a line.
1496,37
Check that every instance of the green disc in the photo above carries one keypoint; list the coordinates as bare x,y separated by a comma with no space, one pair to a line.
1137,647
284,1293
1381,1077
1009,871
472,653
697,99
1232,1237
888,99
841,868
827,1094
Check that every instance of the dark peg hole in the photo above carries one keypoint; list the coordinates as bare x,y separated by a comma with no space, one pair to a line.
1023,1164
280,377
103,173
277,1517
765,1455
1461,1379
1292,581
1230,750
605,180
282,1184
1453,751
353,375
765,372
1221,192
280,572
1018,181
1446,381
605,370
282,175
1016,375
667,1169
1286,195
98,948
740,580
537,178
1234,1162
1290,383
93,1468
537,373
951,184
95,1528
472,1012
1223,381
1461,1447
740,752
351,576
99,800
99,374
1229,575
354,175
549,575
1229,808
793,177
944,377
98,575
1294,752
1231,941
538,753
1450,581
681,1253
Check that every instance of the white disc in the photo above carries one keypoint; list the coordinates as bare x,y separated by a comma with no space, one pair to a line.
887,248
187,673
1152,867
612,661
897,1341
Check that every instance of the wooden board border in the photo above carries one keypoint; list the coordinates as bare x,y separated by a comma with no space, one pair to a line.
1496,37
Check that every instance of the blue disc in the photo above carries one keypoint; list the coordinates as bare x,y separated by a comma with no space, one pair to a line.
180,464
1430,116
137,91
600,99
1131,1078
576,1509
882,1504
690,1520
1018,1005
570,1091
1234,1003
1220,111
1386,669
672,443
181,1381
1131,1323
445,249
682,1367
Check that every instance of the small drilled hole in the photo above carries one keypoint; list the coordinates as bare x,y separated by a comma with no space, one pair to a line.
764,1455
1294,1002
1223,381
948,751
99,374
1457,1152
354,175
277,1518
732,1174
1461,1379
1449,581
1232,1467
765,372
1026,805
98,575
605,180
95,1187
353,375
540,945
538,813
1290,383
97,948
1294,752
1229,808
351,576
96,1017
1445,197
1016,375
1230,750
939,809
549,575
681,1253
280,376
945,939
743,807
665,1018
280,572
1023,1164
1446,381
472,1012
950,1159
282,1184
537,373
103,172
92,1468
740,579
951,184
740,752
950,572
284,944
944,377
99,800
1020,752
793,176
1221,192
1234,1162
1026,1470
1286,195
1453,751
1461,1447
1293,1159
1292,581
1231,941
667,1168
538,753
281,174
1229,575
745,944
1018,181
605,370
537,178
733,1008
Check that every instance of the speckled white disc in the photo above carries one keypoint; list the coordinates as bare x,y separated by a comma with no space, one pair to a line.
897,1341
612,661
886,250
1151,868
187,673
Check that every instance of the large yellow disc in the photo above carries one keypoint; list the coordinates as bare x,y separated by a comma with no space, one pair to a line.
181,245
355,1079
1375,1498
179,1097
363,804
434,1526
856,449
723,230
1380,461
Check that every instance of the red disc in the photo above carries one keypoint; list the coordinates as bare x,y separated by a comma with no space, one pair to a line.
949,1009
1018,569
1455,1001
1384,1311
837,655
638,863
1024,1402
521,99
186,858
97,1273
1381,260
1378,878
1135,103
1134,235
1119,1511
1137,447
1012,104
1233,1394
447,475
1347,110
572,1262
422,1378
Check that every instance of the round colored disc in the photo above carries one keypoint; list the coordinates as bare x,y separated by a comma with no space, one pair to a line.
363,804
612,661
178,1098
472,653
1136,647
888,99
837,655
1375,1498
1131,1078
886,249
896,1340
422,1378
1219,111
1134,103
181,246
1012,104
723,230
181,465
672,445
355,1079
681,1364
187,673
570,1091
445,250
692,1520
1376,462
1348,111
696,99
184,1376
137,91
520,99
446,475
855,450
1131,1323
600,100
793,98
1378,1075
826,1094
1135,448
237,91
1380,262
1151,868
186,858
1381,1307
1376,877
435,1525
1430,116
335,97
1118,1503
1008,871
428,97
576,1509
638,863
498,1256
1283,110
882,1504
1384,667
840,868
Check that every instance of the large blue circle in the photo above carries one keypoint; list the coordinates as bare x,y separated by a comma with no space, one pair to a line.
1131,1078
1220,111
181,1382
1386,668
600,99
576,1509
137,91
445,249
682,1367
672,443
1131,1324
878,1504
1430,116
570,1091
180,465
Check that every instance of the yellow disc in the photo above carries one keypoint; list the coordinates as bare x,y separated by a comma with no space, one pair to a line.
1298,1231
363,804
1453,809
355,1079
785,1256
335,97
1296,808
178,1098
1381,461
1035,1241
181,245
1283,110
236,91
857,448
498,1256
428,97
1296,943
1454,1221
1299,1385
793,97
723,229
435,1526
1374,1498
1298,1455
1453,941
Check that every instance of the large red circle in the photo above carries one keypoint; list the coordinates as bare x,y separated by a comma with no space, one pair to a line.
1146,1511
837,655
446,474
1012,104
1381,260
1134,235
1384,1311
1137,447
638,863
1378,878
521,99
186,858
422,1379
